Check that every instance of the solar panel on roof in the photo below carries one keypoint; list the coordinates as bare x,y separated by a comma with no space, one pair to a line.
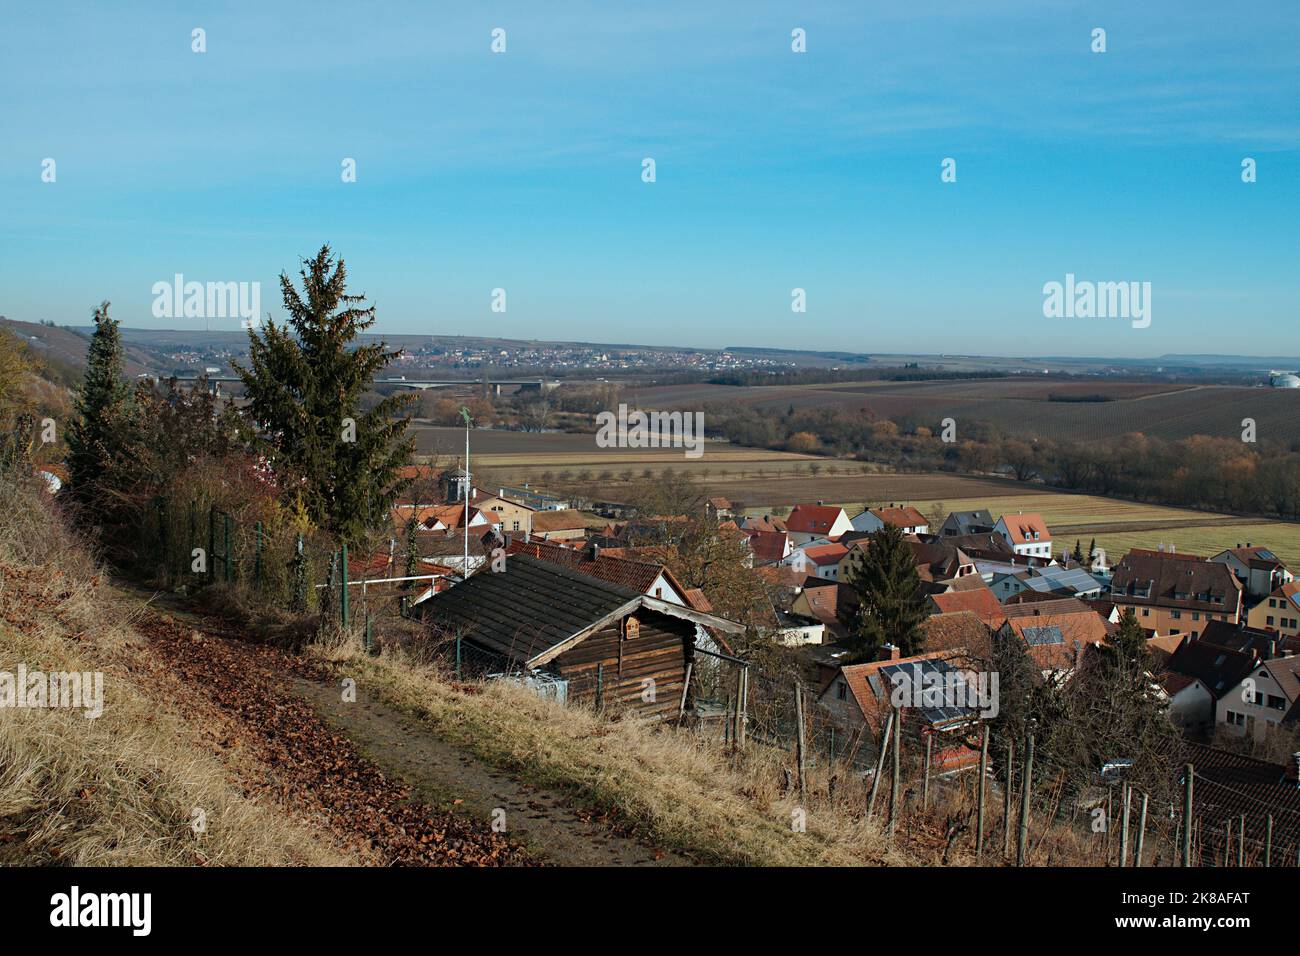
1038,636
931,673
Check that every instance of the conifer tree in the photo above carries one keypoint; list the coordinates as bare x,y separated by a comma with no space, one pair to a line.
891,607
305,387
99,438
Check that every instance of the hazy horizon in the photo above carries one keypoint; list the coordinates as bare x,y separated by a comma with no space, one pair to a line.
775,170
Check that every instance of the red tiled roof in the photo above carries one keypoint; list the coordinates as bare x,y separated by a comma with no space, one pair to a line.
1021,528
1077,622
767,546
907,517
979,601
566,520
825,554
813,519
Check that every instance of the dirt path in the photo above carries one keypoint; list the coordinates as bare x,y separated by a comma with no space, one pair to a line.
311,770
447,778
378,780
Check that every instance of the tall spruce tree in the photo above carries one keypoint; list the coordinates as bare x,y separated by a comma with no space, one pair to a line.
100,436
887,585
305,387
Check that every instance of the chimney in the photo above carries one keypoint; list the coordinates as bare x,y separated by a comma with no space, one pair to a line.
888,652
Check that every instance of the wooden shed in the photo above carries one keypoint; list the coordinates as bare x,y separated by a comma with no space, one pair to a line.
603,639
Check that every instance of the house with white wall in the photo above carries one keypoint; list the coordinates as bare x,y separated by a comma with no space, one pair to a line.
1026,533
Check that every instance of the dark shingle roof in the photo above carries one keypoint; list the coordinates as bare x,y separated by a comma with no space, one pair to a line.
526,609
1218,668
1174,581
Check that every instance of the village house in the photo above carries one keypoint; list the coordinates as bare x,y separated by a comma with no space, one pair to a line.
588,639
718,509
535,499
1279,613
1264,644
566,525
978,601
832,603
1053,579
963,523
641,573
767,547
447,519
511,515
905,518
1174,595
818,560
763,523
857,699
1217,670
1265,698
807,523
1055,633
1259,570
1026,533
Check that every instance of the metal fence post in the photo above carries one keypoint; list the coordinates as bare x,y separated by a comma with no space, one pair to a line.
457,657
212,543
344,603
1142,830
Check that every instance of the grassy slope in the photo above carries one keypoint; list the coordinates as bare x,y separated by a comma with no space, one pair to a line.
120,789
667,785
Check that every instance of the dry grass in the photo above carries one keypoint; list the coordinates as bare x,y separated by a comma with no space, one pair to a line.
121,789
672,787
678,790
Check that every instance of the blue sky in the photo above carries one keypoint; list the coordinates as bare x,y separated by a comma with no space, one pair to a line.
775,170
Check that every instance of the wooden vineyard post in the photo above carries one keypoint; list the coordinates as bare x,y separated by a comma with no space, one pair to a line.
983,783
925,786
1006,798
880,762
1187,815
1027,786
800,743
893,791
686,686
742,706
